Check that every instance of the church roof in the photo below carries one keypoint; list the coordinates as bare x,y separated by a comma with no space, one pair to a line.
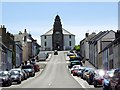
65,32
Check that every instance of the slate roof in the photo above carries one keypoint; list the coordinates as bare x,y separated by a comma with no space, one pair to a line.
99,36
65,32
116,41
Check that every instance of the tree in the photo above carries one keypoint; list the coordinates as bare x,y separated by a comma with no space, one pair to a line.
77,47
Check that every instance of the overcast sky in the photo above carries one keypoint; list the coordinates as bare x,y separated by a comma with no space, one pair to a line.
76,17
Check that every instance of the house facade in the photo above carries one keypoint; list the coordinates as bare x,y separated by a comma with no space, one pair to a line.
6,49
111,54
85,46
28,44
97,44
18,54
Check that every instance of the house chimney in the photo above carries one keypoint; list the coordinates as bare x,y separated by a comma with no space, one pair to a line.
87,34
25,31
1,26
117,34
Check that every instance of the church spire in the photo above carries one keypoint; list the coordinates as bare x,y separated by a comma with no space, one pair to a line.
57,25
57,18
57,36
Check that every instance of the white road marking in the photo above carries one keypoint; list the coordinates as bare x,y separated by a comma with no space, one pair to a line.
0,88
79,82
50,84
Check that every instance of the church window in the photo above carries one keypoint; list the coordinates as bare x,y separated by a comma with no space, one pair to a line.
69,43
45,44
69,36
45,37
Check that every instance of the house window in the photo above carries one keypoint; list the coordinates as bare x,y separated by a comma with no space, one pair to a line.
111,64
110,50
45,44
69,43
45,37
25,38
69,36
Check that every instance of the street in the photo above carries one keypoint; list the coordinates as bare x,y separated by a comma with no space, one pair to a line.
55,75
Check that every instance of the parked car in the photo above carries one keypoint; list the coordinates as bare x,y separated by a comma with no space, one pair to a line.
85,74
30,69
98,78
27,73
21,73
15,76
75,71
70,54
91,75
47,54
5,79
75,62
33,61
115,80
71,51
79,73
55,52
106,82
72,57
36,67
75,67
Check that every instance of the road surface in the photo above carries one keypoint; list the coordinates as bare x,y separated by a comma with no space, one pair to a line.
55,75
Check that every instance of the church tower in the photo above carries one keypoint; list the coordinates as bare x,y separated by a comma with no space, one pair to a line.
57,36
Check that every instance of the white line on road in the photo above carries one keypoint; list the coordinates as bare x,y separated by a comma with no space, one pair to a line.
79,82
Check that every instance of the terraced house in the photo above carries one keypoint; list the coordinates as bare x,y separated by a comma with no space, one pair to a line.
6,49
29,45
111,54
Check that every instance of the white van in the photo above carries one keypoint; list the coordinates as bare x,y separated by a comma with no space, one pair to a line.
42,56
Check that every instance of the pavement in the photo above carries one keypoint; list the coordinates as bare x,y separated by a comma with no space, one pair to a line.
87,64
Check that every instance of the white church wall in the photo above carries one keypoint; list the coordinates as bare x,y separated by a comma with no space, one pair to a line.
67,40
48,41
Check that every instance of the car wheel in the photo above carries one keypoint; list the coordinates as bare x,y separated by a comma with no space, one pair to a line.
89,82
10,83
110,87
33,75
19,82
95,83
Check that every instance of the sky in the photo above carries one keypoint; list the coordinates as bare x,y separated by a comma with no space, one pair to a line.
76,17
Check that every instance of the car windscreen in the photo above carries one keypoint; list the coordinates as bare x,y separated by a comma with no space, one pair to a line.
75,63
14,73
2,74
27,67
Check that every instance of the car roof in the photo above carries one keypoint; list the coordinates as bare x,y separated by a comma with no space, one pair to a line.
75,61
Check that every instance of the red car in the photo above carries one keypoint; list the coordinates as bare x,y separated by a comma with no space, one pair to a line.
98,78
75,71
36,67
115,80
75,67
